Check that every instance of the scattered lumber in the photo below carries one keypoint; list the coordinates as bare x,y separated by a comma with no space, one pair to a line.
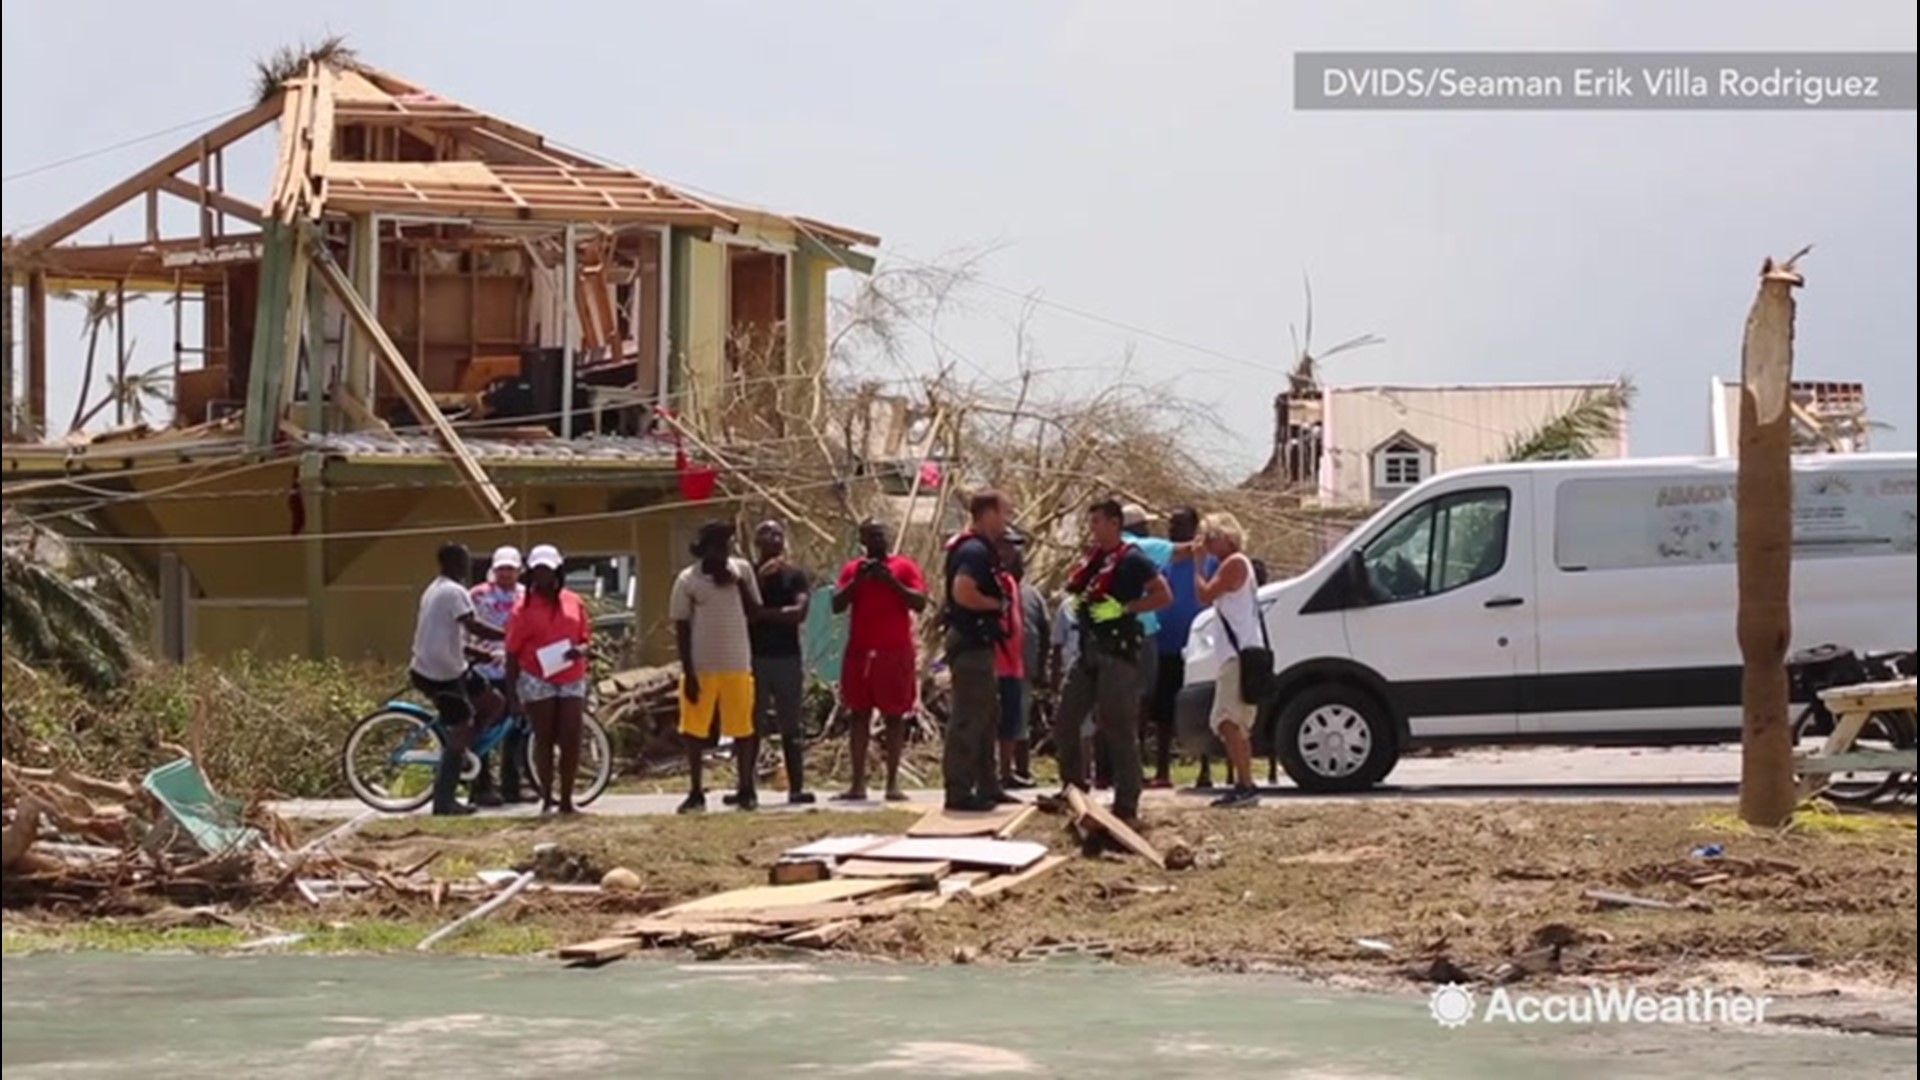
926,874
1092,818
940,822
1007,882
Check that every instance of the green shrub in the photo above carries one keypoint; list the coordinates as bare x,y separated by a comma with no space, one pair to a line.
263,727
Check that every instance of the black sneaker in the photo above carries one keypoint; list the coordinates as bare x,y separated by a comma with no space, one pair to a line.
695,803
731,798
970,804
745,800
1241,795
1019,782
488,798
1008,799
801,798
458,809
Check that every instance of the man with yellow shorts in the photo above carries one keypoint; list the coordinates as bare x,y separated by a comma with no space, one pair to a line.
713,602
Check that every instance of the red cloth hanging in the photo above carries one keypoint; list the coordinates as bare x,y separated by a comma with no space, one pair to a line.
697,482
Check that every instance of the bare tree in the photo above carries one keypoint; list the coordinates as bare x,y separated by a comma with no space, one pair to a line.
1764,530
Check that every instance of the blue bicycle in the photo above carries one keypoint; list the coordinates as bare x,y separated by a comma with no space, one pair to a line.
392,754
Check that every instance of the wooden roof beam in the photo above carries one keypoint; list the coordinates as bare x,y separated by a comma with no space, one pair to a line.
133,186
229,205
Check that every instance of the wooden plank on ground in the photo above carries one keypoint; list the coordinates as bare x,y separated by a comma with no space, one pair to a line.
1086,811
837,847
676,929
971,851
798,871
941,822
926,873
601,950
993,886
823,935
773,897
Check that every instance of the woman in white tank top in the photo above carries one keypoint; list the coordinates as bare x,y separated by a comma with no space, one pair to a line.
1233,592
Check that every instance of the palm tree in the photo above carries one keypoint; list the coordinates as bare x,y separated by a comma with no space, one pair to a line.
80,623
1576,434
288,62
102,307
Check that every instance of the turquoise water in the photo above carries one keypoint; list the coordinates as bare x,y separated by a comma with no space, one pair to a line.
106,1015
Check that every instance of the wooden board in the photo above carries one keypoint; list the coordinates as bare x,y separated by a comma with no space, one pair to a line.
837,847
773,897
970,851
941,822
925,873
1085,810
1005,882
656,927
602,950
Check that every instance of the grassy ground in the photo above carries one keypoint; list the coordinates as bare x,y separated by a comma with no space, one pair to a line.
1296,888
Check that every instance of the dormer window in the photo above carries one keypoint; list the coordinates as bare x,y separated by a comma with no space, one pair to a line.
1400,463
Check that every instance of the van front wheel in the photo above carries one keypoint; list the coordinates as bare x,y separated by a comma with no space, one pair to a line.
1334,738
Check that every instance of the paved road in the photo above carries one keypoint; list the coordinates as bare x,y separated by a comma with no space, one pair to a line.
1592,775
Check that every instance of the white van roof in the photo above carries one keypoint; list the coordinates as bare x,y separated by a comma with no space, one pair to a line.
1655,465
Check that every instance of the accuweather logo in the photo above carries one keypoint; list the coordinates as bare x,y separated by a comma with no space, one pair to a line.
1456,1006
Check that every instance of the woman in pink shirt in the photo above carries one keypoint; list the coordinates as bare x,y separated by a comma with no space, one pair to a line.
1009,660
547,673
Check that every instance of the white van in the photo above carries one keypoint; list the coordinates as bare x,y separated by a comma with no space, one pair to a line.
1586,603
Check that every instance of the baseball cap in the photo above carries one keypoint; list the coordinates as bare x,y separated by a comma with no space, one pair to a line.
507,555
1135,514
545,555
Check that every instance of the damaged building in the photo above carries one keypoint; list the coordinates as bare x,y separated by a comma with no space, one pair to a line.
437,325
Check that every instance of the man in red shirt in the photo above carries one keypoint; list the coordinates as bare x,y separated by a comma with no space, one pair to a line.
881,673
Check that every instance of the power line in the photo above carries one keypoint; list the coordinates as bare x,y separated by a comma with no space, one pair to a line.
122,145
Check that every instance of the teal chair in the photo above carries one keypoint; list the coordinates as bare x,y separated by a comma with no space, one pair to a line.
214,823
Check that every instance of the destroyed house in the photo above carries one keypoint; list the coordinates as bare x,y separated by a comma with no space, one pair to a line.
436,325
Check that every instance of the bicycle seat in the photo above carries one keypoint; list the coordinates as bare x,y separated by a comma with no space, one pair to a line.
1818,654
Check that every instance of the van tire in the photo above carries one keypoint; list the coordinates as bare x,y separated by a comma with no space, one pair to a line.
1364,752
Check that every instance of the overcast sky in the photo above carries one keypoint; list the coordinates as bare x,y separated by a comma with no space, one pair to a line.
1140,162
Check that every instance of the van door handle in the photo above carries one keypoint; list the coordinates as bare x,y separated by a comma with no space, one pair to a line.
1506,601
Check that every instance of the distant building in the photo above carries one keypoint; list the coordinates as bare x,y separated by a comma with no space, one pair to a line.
1828,418
1363,445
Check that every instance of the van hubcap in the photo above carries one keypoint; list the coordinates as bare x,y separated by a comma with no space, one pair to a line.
1335,740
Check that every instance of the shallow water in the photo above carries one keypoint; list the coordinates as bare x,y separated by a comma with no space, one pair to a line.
112,1015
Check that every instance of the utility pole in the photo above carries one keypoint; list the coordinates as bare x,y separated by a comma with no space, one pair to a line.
1768,793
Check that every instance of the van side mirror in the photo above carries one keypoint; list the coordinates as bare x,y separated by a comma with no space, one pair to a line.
1359,592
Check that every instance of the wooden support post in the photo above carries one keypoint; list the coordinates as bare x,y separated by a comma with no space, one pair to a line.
417,397
269,340
119,353
295,326
679,317
569,325
36,366
206,184
153,215
174,594
1764,549
322,366
313,495
366,275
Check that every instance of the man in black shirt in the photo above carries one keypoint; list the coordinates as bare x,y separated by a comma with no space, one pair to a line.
976,614
1112,587
779,675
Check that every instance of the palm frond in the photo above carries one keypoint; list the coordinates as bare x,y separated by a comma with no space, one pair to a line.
287,62
81,628
1576,434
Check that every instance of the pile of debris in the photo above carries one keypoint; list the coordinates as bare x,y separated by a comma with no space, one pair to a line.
819,892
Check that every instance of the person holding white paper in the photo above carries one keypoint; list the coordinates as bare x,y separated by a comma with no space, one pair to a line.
547,673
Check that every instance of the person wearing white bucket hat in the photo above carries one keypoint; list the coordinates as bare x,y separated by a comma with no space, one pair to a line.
547,642
493,601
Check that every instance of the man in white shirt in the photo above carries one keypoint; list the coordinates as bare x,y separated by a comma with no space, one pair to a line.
441,669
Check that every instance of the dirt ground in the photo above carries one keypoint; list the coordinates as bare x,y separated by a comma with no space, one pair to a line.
1377,892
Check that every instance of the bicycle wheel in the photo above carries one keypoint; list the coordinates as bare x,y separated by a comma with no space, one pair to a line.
595,770
390,758
1883,731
